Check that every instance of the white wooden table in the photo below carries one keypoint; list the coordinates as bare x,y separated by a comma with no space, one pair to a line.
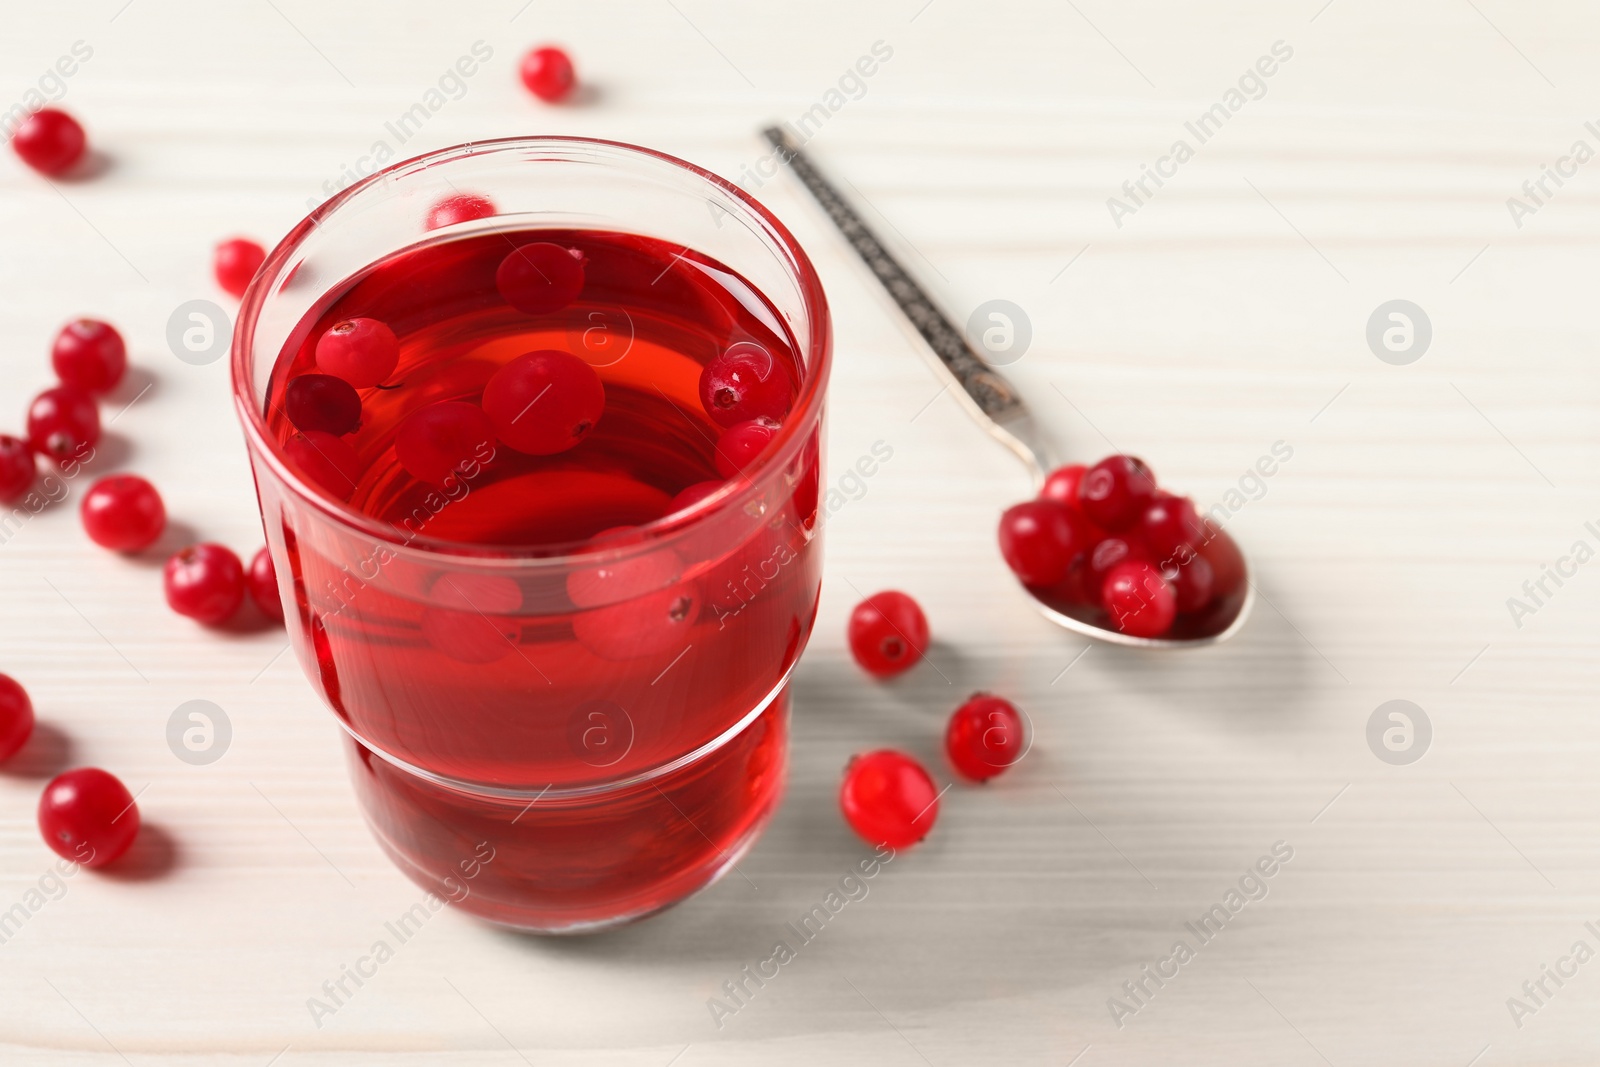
1227,313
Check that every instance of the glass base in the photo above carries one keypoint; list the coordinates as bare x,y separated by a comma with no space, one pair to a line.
574,865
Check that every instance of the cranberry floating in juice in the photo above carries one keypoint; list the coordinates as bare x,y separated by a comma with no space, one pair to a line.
552,603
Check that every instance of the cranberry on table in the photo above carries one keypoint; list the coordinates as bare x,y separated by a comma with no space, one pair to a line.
63,423
322,402
18,468
205,582
1140,601
544,402
16,716
88,816
462,207
744,383
1192,582
888,799
50,141
1114,492
1062,485
124,513
262,582
442,440
548,74
740,446
540,277
888,633
330,462
1039,540
364,352
235,263
985,736
90,355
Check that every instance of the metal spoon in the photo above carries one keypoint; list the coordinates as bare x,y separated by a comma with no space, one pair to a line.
995,406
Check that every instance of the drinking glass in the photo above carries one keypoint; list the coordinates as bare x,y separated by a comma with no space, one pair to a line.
546,765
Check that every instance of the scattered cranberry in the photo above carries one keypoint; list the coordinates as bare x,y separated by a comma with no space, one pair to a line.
205,582
63,423
1040,539
1114,491
442,439
1140,601
235,263
1062,485
18,467
740,446
90,355
692,495
364,352
1169,527
462,207
888,633
261,580
544,402
16,716
548,74
1192,582
331,462
322,402
888,799
49,141
88,816
541,277
124,513
985,736
745,383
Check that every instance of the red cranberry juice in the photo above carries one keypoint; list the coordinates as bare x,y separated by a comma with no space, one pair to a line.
593,725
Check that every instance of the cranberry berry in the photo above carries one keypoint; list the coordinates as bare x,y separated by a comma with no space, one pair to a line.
541,277
888,633
322,402
443,439
88,816
330,462
90,355
64,424
740,446
462,207
1169,527
1114,492
1140,601
261,581
985,736
364,352
888,799
50,141
745,383
1104,558
544,402
18,467
548,74
124,513
1192,583
235,263
205,582
1062,485
16,716
1040,539
691,495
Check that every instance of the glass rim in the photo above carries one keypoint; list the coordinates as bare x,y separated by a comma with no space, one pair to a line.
818,361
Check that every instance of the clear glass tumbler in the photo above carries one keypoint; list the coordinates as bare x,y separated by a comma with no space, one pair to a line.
552,764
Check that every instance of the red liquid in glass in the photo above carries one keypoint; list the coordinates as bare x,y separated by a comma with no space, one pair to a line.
595,732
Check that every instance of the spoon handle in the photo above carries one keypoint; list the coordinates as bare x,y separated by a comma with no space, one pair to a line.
988,397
